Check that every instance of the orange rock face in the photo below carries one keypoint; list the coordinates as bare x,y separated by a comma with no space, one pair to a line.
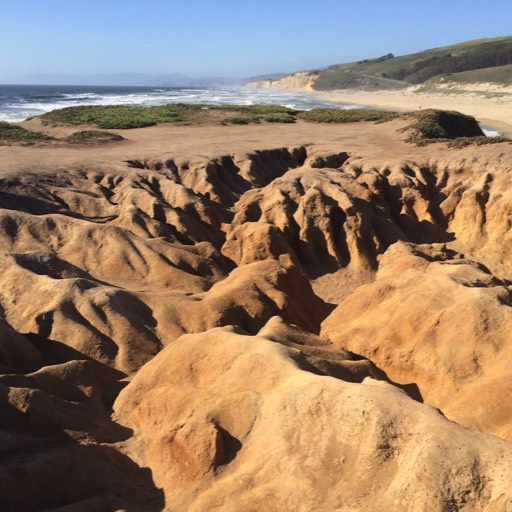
323,325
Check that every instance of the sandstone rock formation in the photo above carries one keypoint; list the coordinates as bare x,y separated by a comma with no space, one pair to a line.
287,439
442,321
300,81
293,328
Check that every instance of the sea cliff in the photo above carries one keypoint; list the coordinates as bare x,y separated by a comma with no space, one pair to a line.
300,81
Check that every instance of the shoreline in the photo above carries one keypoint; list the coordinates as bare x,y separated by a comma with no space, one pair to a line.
491,107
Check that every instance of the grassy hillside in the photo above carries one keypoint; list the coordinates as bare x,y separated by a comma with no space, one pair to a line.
389,71
499,75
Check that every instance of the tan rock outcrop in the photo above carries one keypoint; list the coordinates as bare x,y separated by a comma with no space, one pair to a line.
56,436
263,308
442,321
227,421
300,81
247,298
328,218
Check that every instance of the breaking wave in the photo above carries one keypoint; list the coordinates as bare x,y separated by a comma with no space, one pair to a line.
20,102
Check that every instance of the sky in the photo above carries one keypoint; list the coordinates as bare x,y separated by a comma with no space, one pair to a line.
239,38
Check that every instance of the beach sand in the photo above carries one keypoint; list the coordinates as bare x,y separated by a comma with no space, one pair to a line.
489,104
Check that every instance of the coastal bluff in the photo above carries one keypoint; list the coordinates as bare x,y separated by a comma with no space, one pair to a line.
284,316
473,77
300,81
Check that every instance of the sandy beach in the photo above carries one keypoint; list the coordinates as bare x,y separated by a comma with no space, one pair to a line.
489,104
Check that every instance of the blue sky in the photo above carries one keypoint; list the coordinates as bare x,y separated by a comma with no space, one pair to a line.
228,37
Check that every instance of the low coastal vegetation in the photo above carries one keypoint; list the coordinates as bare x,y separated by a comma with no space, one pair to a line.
113,116
428,126
126,117
336,115
258,113
444,124
425,126
121,117
461,142
459,130
85,136
499,75
13,132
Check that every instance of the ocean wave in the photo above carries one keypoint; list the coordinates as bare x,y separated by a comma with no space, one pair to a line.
17,105
12,117
488,132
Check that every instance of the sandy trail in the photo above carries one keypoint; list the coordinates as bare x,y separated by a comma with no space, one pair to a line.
159,142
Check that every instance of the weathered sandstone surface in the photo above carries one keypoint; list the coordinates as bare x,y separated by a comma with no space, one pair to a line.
320,326
292,438
300,81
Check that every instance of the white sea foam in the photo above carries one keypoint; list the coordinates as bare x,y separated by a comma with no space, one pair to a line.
491,133
19,107
10,117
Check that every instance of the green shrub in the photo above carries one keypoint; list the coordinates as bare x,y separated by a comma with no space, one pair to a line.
235,120
335,115
13,132
259,110
257,113
93,136
128,116
461,142
111,117
444,124
277,118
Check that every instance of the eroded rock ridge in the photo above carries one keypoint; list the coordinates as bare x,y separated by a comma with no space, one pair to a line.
288,329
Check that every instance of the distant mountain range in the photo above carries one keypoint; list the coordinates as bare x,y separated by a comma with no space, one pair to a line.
126,79
480,60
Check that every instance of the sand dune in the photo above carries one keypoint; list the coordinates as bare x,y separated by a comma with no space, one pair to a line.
292,317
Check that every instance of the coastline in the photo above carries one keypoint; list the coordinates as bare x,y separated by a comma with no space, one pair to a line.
490,105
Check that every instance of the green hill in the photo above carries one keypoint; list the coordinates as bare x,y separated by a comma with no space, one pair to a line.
499,75
477,60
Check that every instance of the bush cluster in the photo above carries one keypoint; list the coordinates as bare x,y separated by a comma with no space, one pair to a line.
93,136
461,142
335,115
122,117
13,132
444,124
111,117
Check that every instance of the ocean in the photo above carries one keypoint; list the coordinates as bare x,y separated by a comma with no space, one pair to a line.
18,102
